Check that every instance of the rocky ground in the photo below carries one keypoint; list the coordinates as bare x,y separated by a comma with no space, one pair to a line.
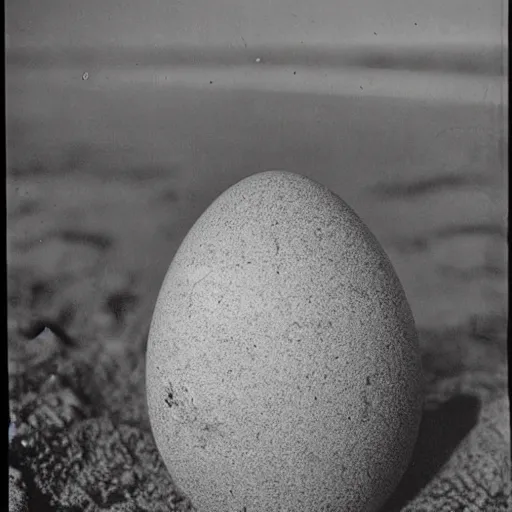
92,228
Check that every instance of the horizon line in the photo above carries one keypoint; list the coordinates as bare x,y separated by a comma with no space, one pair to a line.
454,56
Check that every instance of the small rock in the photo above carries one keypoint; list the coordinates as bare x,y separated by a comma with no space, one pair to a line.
12,431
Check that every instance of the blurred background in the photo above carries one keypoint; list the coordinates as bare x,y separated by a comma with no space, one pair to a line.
126,119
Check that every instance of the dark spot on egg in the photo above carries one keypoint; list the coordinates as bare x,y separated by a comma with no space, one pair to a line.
169,399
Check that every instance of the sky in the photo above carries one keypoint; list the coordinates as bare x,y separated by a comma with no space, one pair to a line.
92,23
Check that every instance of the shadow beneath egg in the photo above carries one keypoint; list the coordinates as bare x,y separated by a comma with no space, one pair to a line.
440,433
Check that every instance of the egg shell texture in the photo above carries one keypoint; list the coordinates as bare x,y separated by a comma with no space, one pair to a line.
283,369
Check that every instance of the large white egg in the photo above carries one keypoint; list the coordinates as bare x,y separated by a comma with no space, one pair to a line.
283,369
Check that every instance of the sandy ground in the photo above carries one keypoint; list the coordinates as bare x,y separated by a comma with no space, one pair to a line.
104,182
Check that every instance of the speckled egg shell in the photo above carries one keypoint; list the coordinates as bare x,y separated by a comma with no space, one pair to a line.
283,369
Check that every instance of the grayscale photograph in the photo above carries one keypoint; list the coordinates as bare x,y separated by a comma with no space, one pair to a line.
257,255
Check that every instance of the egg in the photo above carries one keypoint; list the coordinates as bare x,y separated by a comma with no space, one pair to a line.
283,369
